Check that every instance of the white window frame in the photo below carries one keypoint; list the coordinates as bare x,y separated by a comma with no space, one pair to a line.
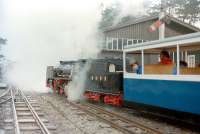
116,39
191,61
128,41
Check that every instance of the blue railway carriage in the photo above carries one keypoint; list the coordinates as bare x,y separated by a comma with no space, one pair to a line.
174,86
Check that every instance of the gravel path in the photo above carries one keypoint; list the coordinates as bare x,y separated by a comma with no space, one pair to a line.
70,120
6,114
162,126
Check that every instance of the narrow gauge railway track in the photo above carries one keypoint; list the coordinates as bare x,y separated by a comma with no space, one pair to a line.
6,96
115,120
26,113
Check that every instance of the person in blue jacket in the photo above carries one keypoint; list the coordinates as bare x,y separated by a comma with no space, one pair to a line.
136,67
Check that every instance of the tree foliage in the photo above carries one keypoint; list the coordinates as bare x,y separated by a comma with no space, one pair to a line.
185,10
108,15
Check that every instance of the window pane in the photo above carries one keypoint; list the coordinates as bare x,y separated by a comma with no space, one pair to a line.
189,60
133,62
110,45
114,44
139,41
130,42
124,42
134,41
158,61
120,44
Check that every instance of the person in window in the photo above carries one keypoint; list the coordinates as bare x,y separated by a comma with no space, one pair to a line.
183,64
136,67
165,58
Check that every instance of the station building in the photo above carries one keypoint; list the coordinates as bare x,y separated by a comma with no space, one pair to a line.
137,31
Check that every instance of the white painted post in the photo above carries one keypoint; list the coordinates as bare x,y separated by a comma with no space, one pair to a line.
161,16
117,44
124,61
122,43
142,61
162,27
112,44
178,59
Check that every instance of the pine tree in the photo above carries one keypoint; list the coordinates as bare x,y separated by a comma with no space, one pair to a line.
185,10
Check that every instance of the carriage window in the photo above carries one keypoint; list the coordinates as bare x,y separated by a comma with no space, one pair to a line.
111,68
132,62
153,61
190,60
181,59
159,61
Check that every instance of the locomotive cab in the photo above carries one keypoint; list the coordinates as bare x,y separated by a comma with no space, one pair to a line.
104,81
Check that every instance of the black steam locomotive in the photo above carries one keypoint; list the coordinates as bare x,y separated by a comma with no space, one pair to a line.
59,77
105,81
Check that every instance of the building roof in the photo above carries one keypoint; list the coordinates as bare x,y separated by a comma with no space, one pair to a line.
147,18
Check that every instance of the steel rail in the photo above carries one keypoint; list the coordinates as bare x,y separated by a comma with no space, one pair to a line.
5,100
137,124
35,115
6,92
16,124
116,116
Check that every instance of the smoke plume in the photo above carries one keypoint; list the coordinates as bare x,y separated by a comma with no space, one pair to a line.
75,88
135,8
43,32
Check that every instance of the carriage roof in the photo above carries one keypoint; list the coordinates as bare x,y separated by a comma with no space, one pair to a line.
191,40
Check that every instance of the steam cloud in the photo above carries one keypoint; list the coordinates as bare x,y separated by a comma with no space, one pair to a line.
134,8
42,32
75,89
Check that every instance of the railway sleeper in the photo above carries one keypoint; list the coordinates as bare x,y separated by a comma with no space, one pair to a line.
29,114
31,120
26,109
